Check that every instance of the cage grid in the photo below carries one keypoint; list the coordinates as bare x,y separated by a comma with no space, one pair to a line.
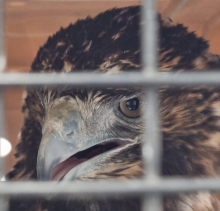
152,187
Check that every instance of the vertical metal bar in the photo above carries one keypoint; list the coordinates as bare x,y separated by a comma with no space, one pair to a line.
151,148
2,131
3,202
2,64
149,36
2,53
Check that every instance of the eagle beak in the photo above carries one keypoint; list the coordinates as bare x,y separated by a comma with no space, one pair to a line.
58,143
67,152
58,160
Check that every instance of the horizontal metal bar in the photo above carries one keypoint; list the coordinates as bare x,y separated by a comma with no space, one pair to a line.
102,80
107,189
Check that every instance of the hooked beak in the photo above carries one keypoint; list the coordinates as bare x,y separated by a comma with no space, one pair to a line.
66,155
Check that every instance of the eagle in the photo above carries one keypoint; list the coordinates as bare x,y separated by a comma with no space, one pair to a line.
89,133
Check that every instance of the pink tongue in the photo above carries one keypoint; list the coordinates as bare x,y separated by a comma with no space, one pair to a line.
60,170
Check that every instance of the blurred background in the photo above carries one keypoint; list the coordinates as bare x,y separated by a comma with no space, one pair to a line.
28,23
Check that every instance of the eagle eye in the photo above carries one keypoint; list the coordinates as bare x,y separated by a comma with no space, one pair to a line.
130,108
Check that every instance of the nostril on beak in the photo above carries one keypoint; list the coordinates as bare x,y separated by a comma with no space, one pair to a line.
70,134
70,124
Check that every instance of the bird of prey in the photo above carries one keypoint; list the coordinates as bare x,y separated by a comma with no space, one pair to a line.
89,133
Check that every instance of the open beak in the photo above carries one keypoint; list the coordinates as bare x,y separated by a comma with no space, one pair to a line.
60,161
64,154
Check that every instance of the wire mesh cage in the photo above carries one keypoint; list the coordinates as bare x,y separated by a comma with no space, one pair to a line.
152,187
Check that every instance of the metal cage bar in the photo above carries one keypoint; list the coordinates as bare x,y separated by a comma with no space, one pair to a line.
152,186
2,67
2,129
211,78
151,144
2,52
94,189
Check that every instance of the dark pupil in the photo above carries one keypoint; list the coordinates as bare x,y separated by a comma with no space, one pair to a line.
132,104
